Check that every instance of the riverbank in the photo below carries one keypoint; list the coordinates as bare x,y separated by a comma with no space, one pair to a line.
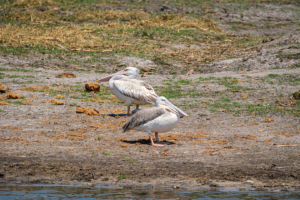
244,126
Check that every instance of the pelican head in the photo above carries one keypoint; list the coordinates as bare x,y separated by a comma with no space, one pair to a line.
163,102
128,72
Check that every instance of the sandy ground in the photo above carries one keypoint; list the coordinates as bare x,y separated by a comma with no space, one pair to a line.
42,142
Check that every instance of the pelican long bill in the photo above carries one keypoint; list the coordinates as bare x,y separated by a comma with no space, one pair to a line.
174,109
106,79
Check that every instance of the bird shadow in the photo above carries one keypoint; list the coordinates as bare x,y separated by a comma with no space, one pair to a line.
144,141
116,115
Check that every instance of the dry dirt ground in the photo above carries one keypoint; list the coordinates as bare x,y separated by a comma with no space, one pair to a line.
243,130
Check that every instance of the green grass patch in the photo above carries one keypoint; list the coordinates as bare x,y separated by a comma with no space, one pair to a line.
17,102
17,70
170,91
183,81
284,79
252,109
234,88
289,56
121,176
224,99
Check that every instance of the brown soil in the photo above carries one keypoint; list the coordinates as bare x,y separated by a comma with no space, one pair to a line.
44,143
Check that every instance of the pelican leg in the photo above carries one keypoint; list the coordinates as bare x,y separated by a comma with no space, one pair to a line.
158,141
128,110
152,143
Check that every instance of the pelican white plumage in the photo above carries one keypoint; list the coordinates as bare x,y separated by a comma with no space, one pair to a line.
159,119
125,87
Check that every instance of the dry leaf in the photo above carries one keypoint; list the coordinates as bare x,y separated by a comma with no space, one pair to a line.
107,50
245,96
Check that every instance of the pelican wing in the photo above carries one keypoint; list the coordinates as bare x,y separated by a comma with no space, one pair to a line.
142,117
136,89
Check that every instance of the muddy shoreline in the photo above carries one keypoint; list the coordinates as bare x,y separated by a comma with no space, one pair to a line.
180,174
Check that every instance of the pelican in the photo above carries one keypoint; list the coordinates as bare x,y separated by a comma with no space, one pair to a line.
159,119
125,87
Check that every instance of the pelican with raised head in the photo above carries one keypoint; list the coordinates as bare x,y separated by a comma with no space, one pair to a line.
125,87
159,119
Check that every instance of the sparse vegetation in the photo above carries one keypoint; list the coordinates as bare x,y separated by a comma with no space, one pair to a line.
105,153
121,176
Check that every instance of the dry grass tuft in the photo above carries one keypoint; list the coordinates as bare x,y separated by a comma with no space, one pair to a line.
29,4
40,88
165,39
116,36
109,15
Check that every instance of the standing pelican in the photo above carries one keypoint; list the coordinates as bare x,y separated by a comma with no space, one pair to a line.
159,119
125,87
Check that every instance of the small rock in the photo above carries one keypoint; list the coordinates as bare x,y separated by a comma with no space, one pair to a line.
165,7
175,186
296,95
12,96
3,103
90,184
3,90
92,87
56,102
213,185
87,111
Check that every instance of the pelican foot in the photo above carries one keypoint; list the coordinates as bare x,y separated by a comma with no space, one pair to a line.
158,145
153,144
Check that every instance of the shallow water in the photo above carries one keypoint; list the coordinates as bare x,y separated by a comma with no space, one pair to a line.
8,191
